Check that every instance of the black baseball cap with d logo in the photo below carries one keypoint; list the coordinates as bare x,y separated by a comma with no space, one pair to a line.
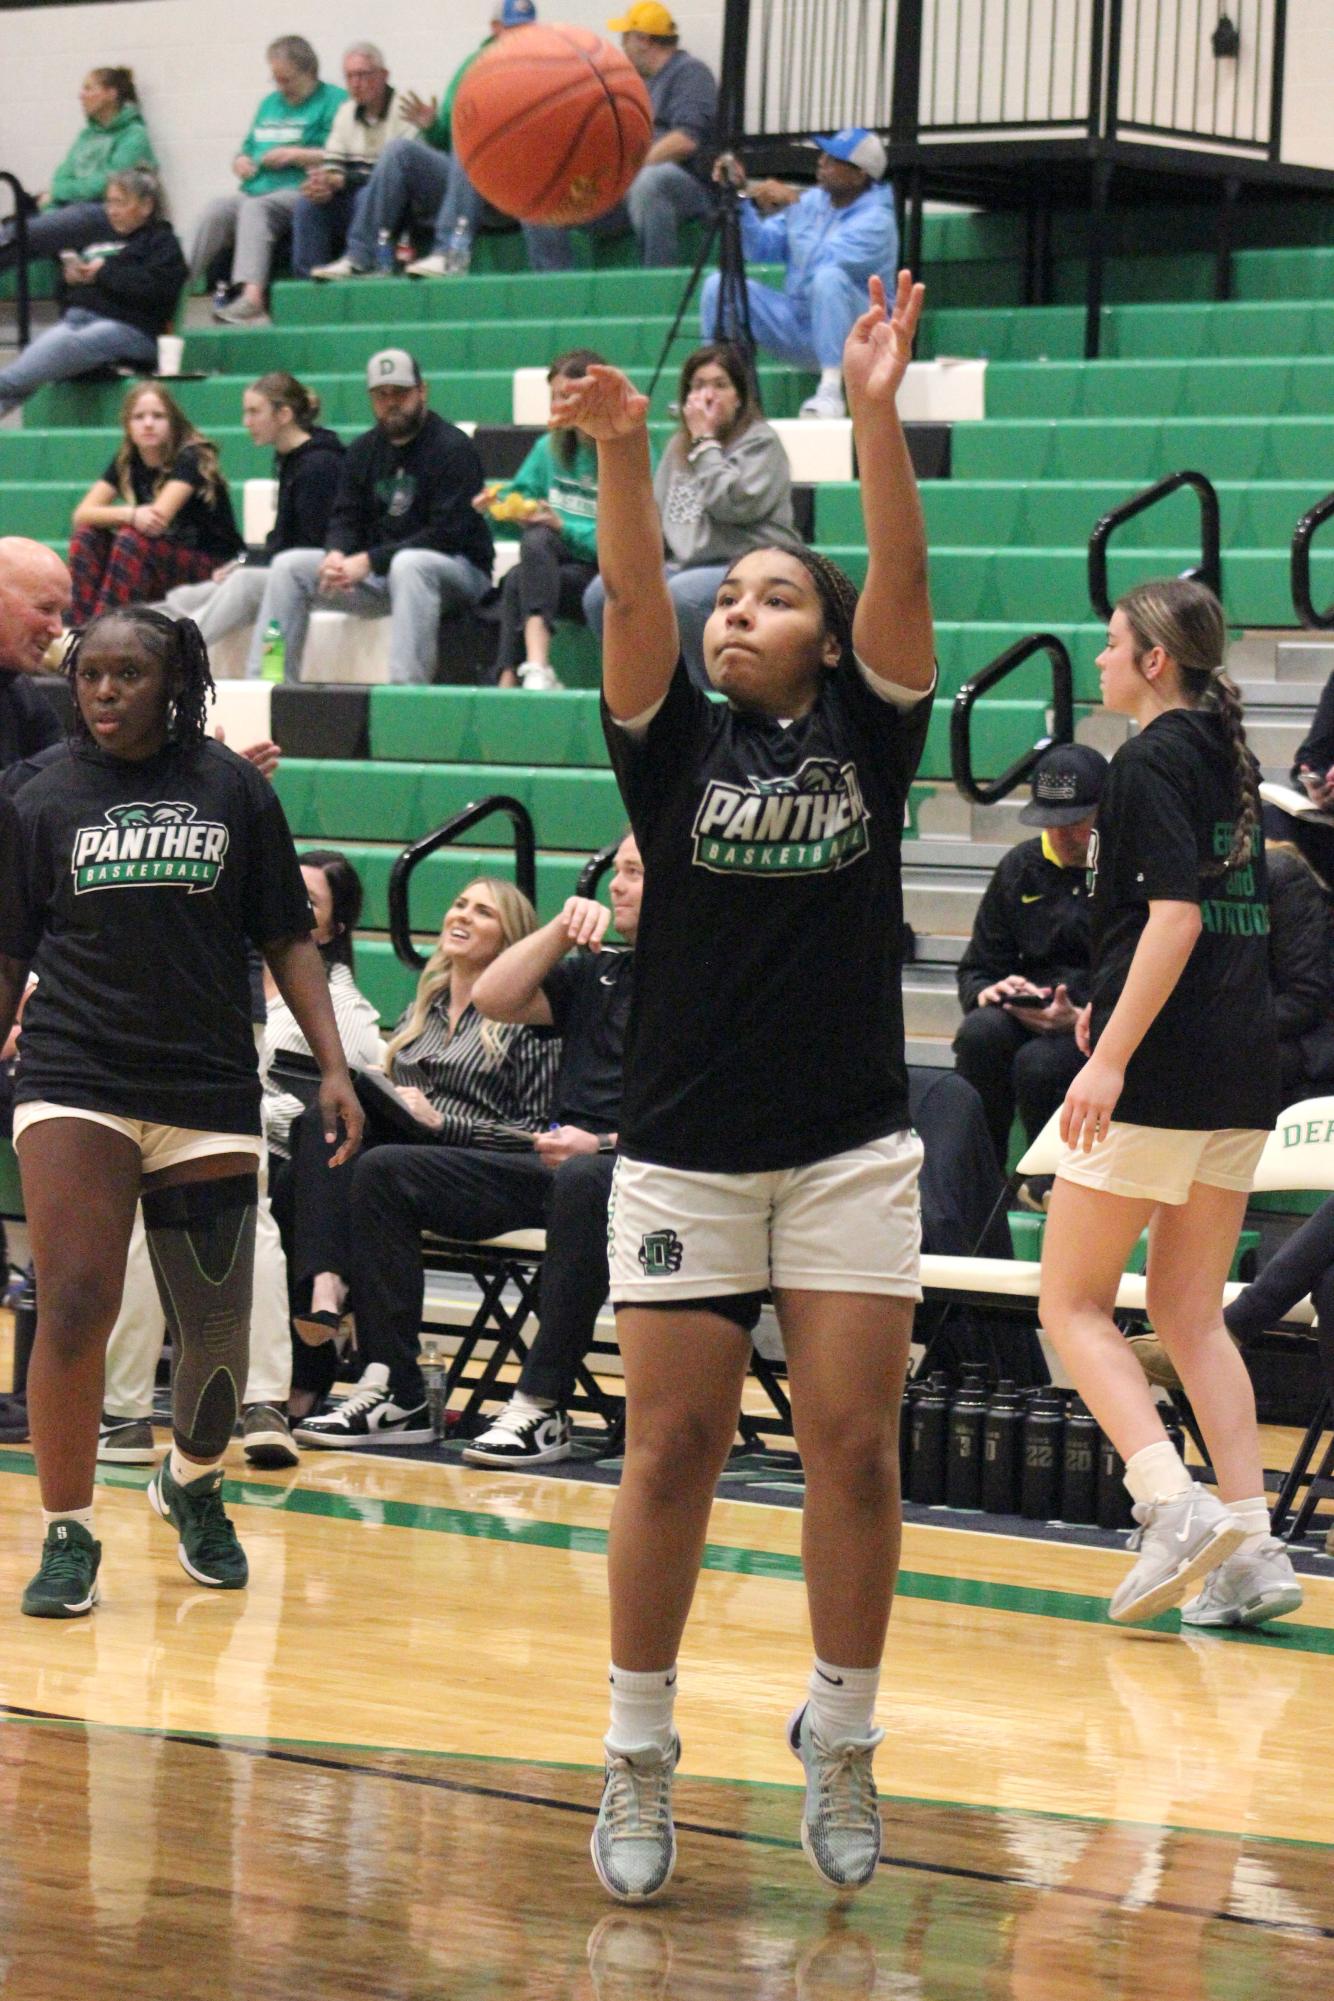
1067,785
393,368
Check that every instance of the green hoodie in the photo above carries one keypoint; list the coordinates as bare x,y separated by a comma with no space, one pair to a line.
572,494
440,133
98,152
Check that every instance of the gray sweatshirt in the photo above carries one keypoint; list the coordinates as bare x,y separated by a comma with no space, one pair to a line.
721,500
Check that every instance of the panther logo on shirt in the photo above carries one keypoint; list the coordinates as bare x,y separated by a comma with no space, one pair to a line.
808,824
149,842
660,1253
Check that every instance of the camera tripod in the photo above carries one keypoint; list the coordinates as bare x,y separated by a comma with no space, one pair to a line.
732,319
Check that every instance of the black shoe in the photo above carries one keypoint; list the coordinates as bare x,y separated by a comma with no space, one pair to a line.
522,1438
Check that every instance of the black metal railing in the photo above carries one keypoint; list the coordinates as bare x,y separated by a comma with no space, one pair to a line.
985,792
1210,567
593,870
400,876
22,284
1302,536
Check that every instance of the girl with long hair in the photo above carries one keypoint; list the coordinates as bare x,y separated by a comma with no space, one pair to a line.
160,513
1163,1126
138,867
765,1137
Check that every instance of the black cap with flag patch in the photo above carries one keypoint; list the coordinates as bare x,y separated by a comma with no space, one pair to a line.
1067,784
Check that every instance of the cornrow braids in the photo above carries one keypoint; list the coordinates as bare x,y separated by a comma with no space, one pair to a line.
838,594
178,646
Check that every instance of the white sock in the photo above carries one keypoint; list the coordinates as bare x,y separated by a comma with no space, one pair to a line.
831,381
522,1405
83,1516
1254,1518
842,1702
641,1709
1157,1473
183,1470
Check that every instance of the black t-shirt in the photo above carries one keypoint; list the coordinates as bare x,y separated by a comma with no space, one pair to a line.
766,1028
203,524
1209,1060
135,890
589,995
28,723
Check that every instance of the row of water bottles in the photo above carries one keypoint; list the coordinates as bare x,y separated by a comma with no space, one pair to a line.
1038,1453
390,255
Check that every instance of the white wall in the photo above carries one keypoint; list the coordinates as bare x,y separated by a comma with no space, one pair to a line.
200,68
1308,130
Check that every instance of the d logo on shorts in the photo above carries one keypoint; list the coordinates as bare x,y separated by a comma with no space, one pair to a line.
660,1253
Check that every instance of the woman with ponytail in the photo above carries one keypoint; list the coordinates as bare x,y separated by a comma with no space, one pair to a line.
1164,1125
280,412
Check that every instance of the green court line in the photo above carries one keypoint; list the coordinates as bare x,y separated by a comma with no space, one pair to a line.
1026,1600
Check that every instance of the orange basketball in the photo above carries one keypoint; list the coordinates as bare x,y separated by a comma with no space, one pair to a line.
551,124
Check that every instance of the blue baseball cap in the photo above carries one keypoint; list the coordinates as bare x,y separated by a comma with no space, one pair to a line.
858,146
516,13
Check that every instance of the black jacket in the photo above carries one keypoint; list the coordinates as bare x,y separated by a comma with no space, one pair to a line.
139,284
413,496
1300,963
28,723
307,483
1033,920
1316,750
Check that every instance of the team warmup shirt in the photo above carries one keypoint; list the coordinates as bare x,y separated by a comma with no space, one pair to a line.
1209,1060
766,1029
589,994
135,890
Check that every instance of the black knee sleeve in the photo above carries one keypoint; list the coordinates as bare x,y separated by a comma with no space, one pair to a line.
201,1239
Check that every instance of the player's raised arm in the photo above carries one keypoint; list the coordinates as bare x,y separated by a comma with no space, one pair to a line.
892,631
640,643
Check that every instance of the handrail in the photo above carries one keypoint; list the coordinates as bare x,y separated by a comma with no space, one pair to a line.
593,870
985,792
1210,569
525,864
1315,621
22,290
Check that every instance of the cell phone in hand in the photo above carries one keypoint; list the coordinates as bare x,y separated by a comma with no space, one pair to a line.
1027,997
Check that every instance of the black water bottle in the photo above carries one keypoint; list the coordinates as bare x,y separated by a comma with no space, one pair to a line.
1002,1450
911,1391
1079,1465
1114,1504
1040,1481
930,1439
963,1464
25,1329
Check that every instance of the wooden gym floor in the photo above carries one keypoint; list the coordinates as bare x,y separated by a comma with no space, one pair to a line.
373,1774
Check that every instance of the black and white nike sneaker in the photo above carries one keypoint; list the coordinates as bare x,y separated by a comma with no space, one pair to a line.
368,1417
521,1436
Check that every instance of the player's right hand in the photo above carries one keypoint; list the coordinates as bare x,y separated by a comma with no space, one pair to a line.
586,921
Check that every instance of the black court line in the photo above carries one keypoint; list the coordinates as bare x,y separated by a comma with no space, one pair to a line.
952,1871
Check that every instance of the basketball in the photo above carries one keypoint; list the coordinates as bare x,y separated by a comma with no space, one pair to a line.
552,124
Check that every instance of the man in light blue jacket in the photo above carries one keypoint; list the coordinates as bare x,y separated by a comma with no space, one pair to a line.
832,238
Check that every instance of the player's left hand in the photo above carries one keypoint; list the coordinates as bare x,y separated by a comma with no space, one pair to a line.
1086,1114
879,348
340,1105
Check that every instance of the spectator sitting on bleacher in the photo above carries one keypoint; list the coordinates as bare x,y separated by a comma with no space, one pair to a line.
371,118
1299,973
286,139
1024,974
831,238
74,208
118,292
557,489
456,1082
723,486
403,538
561,1181
422,177
672,186
35,590
159,515
277,410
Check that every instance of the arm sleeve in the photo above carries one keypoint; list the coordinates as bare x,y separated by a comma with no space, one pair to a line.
745,485
453,479
763,237
993,950
132,148
310,504
868,244
151,278
559,987
533,479
276,903
338,144
21,919
692,104
1316,749
345,530
1298,951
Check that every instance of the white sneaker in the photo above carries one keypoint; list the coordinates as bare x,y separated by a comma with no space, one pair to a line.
368,1417
1247,1590
521,1438
535,674
342,267
634,1842
840,1822
437,265
1178,1541
824,403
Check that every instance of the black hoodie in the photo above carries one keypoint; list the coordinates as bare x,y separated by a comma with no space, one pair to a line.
307,483
140,280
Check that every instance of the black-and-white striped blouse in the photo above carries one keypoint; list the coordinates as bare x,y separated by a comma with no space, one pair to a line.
487,1099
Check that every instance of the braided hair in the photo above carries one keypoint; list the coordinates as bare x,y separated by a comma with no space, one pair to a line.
1186,620
178,647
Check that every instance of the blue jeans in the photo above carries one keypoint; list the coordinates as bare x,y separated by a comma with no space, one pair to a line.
319,230
77,342
660,199
56,229
693,593
411,178
809,332
422,587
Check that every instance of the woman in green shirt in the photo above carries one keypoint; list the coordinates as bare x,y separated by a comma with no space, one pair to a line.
553,500
114,137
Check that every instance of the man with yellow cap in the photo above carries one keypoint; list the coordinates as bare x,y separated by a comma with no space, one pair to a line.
672,186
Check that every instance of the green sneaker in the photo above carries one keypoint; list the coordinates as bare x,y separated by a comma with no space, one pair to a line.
65,1586
208,1549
